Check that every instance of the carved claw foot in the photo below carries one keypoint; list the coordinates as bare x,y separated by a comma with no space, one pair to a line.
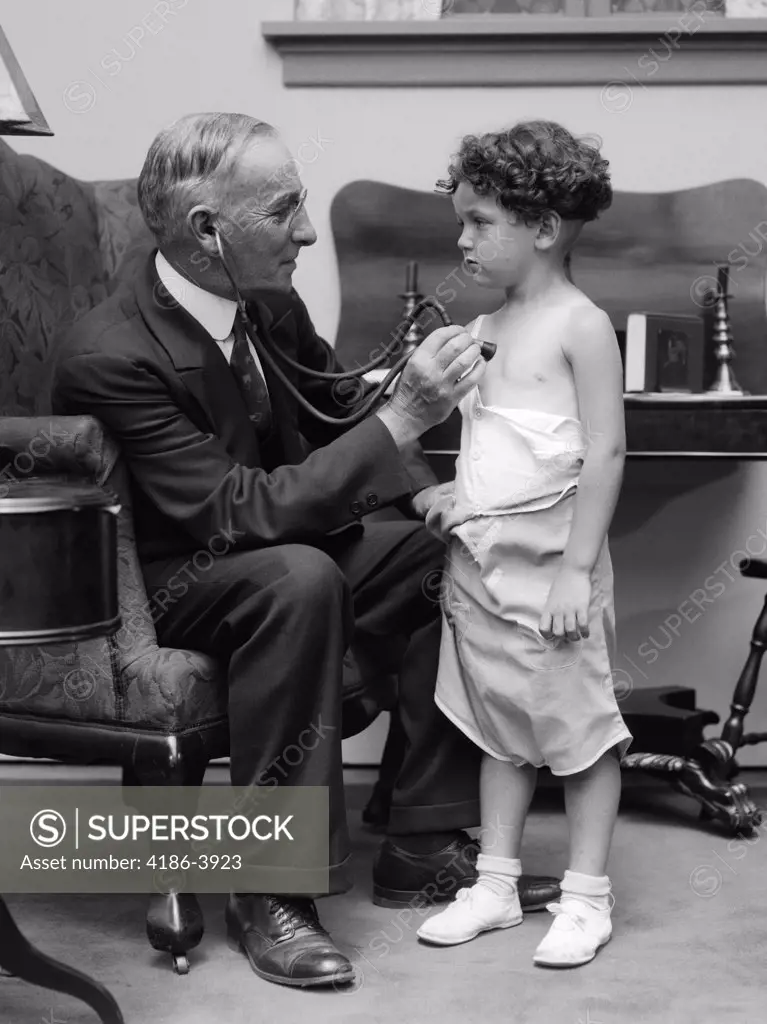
728,803
174,925
717,759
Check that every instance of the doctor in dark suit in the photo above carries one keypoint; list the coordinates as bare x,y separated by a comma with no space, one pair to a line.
217,448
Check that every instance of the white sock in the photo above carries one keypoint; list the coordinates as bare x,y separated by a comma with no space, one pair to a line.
499,874
595,890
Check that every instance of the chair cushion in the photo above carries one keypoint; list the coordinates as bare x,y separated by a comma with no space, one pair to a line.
158,687
164,690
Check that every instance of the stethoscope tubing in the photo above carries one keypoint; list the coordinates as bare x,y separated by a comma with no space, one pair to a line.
378,391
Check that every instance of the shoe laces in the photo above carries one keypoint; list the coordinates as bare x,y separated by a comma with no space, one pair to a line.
464,895
567,916
471,892
295,913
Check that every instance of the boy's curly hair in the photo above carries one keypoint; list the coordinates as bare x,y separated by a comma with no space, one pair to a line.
534,167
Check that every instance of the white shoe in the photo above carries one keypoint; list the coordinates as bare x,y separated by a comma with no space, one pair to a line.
474,910
577,932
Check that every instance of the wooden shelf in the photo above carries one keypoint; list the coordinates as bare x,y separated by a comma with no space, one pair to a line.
524,50
696,426
664,426
699,402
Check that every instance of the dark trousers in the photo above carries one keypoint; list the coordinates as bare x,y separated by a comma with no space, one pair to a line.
282,619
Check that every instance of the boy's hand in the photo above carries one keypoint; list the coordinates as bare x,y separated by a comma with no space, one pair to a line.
566,615
425,499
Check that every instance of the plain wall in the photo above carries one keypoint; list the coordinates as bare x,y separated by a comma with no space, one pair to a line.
109,75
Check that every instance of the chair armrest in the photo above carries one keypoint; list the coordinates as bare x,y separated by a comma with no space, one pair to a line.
33,446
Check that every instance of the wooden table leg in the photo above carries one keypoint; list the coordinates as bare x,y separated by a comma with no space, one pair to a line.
27,963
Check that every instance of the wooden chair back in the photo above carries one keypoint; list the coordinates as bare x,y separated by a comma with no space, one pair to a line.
654,252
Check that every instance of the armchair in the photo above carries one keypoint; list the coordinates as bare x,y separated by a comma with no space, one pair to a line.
125,700
64,246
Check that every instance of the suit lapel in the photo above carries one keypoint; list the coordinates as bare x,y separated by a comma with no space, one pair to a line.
200,364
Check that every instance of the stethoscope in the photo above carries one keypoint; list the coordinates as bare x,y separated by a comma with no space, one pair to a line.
487,351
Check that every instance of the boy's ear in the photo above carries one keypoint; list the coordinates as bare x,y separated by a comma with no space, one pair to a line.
548,230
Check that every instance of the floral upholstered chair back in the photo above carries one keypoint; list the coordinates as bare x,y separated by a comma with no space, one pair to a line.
62,249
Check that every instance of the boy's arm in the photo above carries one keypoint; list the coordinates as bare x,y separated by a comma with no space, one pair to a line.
592,351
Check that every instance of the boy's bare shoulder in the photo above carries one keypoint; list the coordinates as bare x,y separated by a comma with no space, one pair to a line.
584,318
580,306
587,329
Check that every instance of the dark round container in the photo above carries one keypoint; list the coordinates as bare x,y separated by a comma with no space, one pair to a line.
58,562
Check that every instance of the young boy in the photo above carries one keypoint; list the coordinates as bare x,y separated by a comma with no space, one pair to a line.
528,629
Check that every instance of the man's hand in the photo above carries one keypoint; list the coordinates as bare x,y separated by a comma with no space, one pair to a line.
444,368
425,499
567,609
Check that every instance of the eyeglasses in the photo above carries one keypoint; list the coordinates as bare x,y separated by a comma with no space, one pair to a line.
299,207
278,215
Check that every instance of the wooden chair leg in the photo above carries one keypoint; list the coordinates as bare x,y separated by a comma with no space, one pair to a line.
376,812
708,773
728,803
26,962
745,688
174,922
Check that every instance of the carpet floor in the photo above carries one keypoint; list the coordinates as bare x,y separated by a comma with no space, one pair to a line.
689,942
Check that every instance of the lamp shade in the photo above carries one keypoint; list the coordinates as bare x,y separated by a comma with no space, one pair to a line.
19,112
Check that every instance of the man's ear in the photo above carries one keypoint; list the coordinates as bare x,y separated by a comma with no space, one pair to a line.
548,230
201,222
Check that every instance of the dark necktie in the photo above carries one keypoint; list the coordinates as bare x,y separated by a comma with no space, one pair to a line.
250,382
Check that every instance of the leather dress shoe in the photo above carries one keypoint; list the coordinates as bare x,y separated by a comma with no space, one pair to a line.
404,879
284,941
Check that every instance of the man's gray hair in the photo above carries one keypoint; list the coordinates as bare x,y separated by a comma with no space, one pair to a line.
181,164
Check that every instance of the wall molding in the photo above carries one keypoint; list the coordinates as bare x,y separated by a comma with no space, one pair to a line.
619,52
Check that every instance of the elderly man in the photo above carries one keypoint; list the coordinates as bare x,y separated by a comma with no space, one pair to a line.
214,442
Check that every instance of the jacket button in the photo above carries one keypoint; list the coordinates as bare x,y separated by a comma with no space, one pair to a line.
356,507
372,500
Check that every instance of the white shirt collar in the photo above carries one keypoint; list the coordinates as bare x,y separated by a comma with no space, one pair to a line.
213,312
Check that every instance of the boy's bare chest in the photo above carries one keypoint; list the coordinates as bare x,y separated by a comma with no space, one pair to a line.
535,375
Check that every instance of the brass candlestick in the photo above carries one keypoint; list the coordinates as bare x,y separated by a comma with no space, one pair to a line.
412,297
724,380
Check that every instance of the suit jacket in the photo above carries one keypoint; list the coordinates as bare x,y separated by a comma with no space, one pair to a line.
163,389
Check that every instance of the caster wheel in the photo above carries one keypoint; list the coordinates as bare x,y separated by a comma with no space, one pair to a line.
174,925
180,963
